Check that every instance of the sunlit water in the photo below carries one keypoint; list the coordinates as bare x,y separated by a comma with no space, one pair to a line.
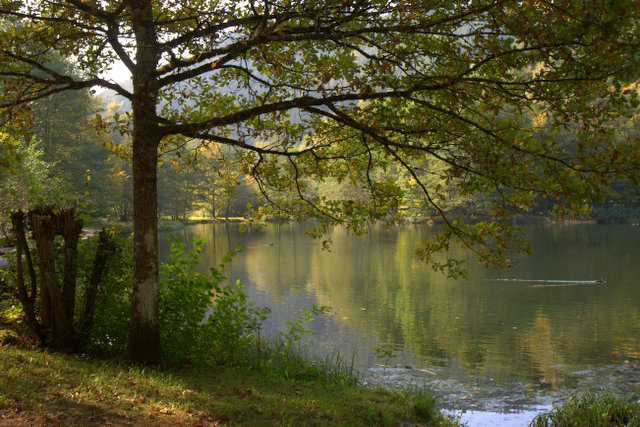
501,346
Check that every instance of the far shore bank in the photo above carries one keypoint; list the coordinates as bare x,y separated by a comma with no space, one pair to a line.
165,223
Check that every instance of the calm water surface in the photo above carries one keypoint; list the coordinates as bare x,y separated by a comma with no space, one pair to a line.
501,346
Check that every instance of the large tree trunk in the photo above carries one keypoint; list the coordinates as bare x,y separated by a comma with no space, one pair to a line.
144,328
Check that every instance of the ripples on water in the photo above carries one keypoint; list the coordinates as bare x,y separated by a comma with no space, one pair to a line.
538,283
487,401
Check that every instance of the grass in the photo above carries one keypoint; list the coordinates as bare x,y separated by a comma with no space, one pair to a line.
41,387
593,410
424,402
284,388
279,385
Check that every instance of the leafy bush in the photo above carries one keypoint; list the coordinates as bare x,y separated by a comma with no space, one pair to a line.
201,320
110,329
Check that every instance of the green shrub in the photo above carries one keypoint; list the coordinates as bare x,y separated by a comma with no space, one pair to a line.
204,322
424,402
8,337
201,320
110,329
593,410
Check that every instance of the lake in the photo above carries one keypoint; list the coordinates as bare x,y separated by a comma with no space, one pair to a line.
501,346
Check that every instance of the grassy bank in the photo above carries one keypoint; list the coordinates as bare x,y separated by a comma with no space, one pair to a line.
275,386
38,387
592,409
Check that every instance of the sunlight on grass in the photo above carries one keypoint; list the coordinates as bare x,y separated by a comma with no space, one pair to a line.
80,391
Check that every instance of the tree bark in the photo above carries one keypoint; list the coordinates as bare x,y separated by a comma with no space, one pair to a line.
53,312
104,249
26,298
213,203
144,327
71,234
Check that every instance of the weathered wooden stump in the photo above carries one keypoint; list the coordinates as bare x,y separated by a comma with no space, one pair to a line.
51,317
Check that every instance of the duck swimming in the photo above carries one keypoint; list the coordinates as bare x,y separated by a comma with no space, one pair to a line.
601,281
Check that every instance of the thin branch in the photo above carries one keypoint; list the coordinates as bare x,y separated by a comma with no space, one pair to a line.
304,198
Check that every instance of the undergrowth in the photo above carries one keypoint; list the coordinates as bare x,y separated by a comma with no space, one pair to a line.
594,410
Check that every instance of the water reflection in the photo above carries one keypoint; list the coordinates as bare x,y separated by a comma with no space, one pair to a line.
503,340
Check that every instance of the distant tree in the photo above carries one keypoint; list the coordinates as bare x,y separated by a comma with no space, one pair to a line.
206,178
63,125
26,182
117,141
123,191
223,184
207,190
340,88
9,158
175,190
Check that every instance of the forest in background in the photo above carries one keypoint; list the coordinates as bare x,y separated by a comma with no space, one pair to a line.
68,159
65,159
